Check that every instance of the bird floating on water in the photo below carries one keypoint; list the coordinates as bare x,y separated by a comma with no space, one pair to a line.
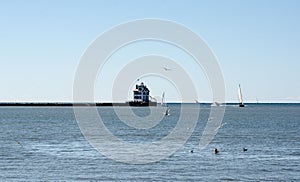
216,151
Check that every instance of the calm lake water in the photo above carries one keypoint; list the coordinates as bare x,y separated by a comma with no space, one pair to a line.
45,143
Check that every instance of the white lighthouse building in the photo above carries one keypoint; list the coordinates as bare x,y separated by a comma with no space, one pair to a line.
141,96
141,93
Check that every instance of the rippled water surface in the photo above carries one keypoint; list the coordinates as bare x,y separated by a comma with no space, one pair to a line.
45,143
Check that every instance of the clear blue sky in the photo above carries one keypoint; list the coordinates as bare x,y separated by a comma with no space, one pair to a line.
257,43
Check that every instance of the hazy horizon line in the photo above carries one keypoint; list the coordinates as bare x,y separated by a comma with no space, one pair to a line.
170,102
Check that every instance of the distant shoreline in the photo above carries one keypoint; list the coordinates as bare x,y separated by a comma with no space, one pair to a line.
61,104
101,104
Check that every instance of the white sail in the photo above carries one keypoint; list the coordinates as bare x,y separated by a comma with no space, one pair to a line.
240,94
163,99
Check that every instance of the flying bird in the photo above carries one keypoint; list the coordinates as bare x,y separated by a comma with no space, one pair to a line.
167,69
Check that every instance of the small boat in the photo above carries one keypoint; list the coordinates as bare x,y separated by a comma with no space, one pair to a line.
240,96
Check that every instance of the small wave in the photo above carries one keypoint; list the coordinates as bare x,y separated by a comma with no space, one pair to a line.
229,179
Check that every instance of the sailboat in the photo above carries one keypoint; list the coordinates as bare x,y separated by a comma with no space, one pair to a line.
241,103
163,99
163,104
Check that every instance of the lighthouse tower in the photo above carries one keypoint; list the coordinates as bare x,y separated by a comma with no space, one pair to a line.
141,93
141,96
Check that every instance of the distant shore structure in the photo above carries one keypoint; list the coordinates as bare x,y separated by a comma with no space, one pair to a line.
141,96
